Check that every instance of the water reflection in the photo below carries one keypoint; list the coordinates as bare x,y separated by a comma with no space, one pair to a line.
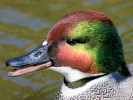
25,96
119,7
14,40
9,15
130,21
1,33
128,45
31,48
17,93
91,2
27,82
114,9
121,29
128,35
1,71
58,7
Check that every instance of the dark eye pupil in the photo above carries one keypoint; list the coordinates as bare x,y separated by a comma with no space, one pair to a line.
71,42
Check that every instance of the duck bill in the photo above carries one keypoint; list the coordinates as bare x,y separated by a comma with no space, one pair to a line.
33,61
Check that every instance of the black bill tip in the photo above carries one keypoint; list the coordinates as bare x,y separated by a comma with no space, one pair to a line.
9,62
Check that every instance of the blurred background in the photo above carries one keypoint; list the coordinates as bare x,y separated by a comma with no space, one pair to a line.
25,23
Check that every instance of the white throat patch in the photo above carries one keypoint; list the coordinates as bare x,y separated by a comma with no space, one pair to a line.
71,74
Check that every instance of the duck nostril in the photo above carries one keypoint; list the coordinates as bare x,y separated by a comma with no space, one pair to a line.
38,53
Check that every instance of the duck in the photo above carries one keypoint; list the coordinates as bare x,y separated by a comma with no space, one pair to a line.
86,48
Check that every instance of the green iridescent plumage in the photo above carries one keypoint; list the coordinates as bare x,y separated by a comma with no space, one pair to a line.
101,41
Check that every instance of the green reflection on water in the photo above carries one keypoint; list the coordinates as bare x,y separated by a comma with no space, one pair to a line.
30,20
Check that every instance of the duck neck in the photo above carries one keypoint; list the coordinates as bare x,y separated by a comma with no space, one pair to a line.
81,82
75,78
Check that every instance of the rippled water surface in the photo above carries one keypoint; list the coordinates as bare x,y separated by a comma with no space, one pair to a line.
25,23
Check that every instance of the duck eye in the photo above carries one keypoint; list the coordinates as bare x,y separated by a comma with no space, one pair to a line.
71,42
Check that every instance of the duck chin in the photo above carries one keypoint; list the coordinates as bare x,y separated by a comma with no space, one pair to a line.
71,74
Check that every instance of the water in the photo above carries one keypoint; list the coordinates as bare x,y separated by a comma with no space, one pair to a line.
23,26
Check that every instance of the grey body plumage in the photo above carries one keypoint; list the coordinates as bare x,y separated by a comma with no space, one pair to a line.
116,87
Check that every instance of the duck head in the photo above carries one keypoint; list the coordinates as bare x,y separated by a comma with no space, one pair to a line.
83,42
